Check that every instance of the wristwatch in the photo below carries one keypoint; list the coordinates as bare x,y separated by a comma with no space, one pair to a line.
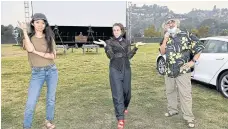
194,60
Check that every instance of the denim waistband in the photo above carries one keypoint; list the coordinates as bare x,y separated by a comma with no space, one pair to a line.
44,67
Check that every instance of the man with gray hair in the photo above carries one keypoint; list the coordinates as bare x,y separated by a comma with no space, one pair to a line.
182,51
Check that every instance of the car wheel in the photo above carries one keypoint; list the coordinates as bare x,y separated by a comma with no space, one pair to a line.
161,66
223,84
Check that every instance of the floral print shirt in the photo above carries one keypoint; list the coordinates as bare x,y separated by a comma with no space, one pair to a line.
181,49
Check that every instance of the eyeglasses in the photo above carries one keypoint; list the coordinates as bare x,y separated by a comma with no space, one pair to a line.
170,21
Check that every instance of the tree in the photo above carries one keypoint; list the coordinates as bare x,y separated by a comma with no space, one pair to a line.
223,26
203,31
2,30
224,32
214,26
138,34
151,32
195,32
188,24
6,34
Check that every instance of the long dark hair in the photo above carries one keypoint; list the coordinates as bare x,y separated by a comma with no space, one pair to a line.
49,35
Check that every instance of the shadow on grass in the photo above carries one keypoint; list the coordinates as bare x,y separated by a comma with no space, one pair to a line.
203,85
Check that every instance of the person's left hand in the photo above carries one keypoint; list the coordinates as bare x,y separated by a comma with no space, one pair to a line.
188,65
54,53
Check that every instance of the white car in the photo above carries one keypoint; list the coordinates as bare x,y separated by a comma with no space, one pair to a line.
212,66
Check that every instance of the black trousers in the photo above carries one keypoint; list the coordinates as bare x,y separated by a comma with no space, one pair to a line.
120,82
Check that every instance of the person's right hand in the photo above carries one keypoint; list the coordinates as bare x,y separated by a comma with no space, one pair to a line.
22,25
101,42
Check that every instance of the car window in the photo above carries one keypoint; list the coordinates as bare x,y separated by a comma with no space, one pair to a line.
216,46
224,47
204,41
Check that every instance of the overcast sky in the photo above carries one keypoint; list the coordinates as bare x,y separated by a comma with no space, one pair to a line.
101,13
68,13
186,6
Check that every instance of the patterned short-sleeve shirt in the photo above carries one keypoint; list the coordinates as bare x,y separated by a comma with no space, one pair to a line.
179,50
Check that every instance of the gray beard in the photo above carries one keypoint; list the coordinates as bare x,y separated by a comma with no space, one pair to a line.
174,34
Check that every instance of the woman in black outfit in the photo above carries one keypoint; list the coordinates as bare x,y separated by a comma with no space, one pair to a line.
119,51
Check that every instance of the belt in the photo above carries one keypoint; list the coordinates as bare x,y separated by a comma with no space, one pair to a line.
43,67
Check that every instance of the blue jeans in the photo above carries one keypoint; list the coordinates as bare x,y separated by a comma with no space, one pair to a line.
39,76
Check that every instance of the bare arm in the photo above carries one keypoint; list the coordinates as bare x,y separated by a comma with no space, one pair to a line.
27,43
54,48
164,42
196,57
45,55
163,46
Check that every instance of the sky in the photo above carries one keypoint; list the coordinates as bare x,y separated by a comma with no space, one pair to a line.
72,13
182,7
86,12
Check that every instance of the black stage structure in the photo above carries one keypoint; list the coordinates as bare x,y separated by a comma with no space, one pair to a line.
65,35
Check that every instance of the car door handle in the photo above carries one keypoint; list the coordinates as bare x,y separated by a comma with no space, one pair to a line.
219,58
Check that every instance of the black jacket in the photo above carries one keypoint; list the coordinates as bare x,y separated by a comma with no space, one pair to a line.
119,53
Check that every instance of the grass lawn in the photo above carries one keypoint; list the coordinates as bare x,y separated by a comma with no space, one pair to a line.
84,96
